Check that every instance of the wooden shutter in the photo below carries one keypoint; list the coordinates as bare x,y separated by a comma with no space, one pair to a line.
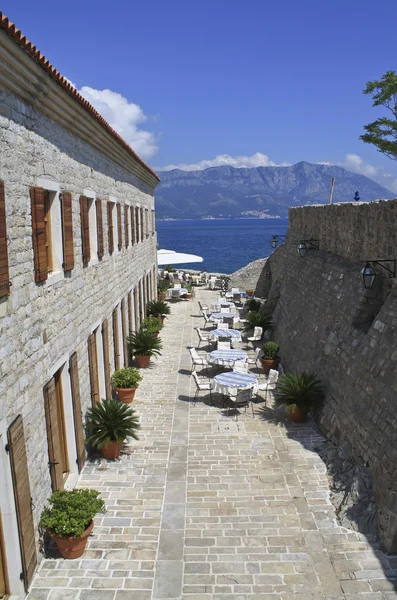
153,224
37,197
85,230
124,332
23,500
53,440
67,231
119,227
154,283
105,344
93,366
136,310
99,227
116,342
130,313
141,301
142,226
110,227
77,412
132,218
126,228
147,222
4,271
137,223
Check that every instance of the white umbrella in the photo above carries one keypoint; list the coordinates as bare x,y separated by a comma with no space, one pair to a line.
169,257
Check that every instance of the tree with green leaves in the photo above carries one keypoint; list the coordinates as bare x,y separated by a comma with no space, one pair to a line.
382,133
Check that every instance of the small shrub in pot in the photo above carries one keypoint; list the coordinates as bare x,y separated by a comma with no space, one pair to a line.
270,360
125,382
299,393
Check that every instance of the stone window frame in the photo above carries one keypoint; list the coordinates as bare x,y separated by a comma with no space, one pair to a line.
53,189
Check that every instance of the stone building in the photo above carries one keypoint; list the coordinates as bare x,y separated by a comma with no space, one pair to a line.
326,322
77,265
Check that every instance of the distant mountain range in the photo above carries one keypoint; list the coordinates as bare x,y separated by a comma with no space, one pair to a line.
227,192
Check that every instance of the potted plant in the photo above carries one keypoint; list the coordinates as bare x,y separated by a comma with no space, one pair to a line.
109,423
257,319
69,519
270,360
158,308
153,324
143,345
189,292
162,287
125,382
252,305
299,393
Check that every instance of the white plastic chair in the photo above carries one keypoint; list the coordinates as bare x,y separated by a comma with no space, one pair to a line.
225,308
235,290
256,359
197,360
258,331
203,336
240,366
220,325
270,384
177,286
223,345
201,386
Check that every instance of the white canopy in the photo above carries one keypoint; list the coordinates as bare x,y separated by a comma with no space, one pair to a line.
169,257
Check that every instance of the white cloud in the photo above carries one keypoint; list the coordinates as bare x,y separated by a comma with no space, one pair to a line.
354,163
255,160
124,117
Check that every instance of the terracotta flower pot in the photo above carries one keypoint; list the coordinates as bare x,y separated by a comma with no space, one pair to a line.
126,395
142,361
298,413
270,364
70,547
111,451
162,318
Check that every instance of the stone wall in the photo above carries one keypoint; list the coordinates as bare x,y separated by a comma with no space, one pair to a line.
247,277
40,324
326,323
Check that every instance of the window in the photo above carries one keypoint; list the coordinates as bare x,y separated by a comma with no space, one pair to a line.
47,232
132,214
142,225
119,228
126,226
99,225
89,234
110,209
153,224
4,271
137,223
147,222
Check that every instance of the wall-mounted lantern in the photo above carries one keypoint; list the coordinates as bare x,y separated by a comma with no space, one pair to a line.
368,273
276,239
305,245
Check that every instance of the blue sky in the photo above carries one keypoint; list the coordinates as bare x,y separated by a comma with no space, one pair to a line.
192,81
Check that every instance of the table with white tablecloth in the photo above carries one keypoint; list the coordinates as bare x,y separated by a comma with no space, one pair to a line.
216,306
220,316
231,294
171,292
227,358
230,382
233,334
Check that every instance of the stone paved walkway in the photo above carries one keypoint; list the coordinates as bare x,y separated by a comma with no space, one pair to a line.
202,508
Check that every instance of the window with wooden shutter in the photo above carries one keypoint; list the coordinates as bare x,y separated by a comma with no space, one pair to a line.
54,441
93,366
77,412
124,332
153,224
110,227
85,230
142,226
23,500
99,228
106,358
132,219
147,222
154,283
4,270
136,309
39,237
126,226
119,227
141,301
137,223
67,231
130,313
116,340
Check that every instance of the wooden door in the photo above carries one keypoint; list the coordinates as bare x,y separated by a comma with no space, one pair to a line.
3,585
93,366
136,309
77,412
56,459
23,500
116,341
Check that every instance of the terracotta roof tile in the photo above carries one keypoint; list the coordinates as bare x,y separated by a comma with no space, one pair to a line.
34,53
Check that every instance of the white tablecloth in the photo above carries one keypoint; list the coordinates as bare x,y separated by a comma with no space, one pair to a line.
219,316
215,306
228,383
234,334
230,294
181,291
227,357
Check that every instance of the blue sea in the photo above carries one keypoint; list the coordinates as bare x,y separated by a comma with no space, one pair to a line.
226,245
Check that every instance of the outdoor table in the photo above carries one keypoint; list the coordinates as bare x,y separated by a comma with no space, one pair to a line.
233,334
182,291
219,316
227,358
231,294
230,382
215,306
196,278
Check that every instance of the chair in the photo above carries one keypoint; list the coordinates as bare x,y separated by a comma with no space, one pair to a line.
201,386
223,344
255,360
222,325
203,336
177,286
242,398
175,294
235,290
225,308
229,321
207,320
258,331
237,299
197,360
270,383
240,366
203,307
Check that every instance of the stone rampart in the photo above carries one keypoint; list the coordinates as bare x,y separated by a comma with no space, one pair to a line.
326,323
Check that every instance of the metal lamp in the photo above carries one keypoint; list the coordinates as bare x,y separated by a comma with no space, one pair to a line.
273,241
368,273
302,250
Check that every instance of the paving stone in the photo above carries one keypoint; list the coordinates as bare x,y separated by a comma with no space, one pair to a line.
168,579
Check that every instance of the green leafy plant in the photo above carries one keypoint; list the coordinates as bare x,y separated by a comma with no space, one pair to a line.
252,305
163,285
270,350
143,343
157,308
111,421
169,268
71,512
258,319
152,323
301,390
126,378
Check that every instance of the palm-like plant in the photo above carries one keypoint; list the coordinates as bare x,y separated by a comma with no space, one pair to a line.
144,343
111,421
258,319
157,308
300,389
